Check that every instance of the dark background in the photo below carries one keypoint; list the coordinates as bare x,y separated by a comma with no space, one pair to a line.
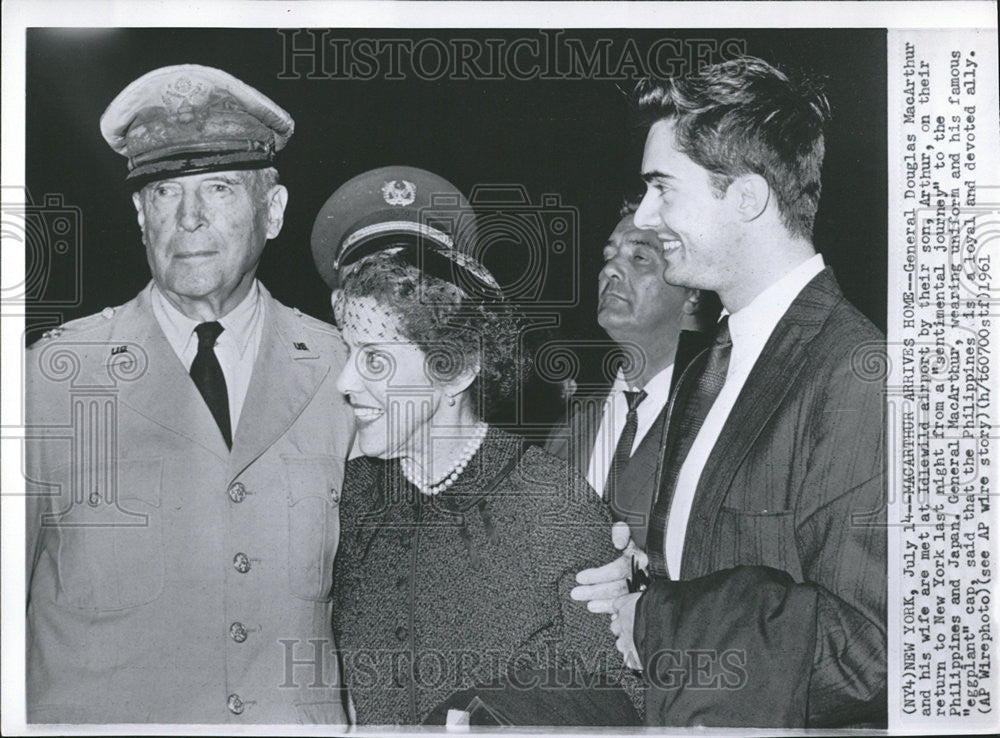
570,137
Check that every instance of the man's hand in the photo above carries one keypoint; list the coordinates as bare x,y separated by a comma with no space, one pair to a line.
602,585
622,622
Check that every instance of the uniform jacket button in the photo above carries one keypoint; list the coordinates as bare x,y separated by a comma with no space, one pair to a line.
401,633
235,704
402,582
237,492
238,631
241,562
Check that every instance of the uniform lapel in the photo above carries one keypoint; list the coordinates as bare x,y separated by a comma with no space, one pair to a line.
769,381
165,393
286,376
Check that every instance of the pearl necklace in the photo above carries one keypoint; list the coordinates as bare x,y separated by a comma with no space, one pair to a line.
457,467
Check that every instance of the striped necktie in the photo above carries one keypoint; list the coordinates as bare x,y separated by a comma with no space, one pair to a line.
696,394
623,451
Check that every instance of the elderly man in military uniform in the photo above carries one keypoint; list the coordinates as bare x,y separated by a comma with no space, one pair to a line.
185,477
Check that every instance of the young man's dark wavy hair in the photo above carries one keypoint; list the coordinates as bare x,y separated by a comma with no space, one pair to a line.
743,116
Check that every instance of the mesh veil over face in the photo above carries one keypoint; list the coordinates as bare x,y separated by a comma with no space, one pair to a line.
364,315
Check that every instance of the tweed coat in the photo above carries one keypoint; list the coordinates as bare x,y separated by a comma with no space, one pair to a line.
783,575
573,438
169,579
439,594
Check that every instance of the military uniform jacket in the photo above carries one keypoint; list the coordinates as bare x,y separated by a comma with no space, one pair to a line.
169,579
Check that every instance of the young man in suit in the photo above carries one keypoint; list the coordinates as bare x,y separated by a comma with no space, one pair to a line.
767,543
657,327
185,474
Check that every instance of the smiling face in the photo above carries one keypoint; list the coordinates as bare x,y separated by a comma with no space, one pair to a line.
634,302
699,229
204,235
386,382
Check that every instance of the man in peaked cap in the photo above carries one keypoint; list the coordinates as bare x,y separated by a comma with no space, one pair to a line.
181,529
401,208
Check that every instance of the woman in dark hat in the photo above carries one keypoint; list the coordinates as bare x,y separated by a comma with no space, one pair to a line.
458,544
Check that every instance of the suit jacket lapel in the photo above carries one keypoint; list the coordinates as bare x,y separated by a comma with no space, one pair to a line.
689,345
165,393
284,380
645,461
769,381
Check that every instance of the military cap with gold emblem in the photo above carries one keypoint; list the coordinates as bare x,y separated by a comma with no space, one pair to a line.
189,119
410,211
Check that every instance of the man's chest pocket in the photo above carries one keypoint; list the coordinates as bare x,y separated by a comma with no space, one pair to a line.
758,538
314,485
109,533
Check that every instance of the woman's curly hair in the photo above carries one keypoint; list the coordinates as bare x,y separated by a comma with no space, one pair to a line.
453,331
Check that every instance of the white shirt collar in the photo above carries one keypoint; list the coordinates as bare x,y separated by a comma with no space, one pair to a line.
659,383
752,325
179,329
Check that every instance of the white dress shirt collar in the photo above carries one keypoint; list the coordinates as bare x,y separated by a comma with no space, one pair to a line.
238,323
657,387
751,326
613,417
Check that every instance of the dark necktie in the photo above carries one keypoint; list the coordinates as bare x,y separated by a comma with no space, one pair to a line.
208,378
623,451
699,387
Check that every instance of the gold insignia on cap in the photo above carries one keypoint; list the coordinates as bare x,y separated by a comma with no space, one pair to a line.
399,192
184,93
189,119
